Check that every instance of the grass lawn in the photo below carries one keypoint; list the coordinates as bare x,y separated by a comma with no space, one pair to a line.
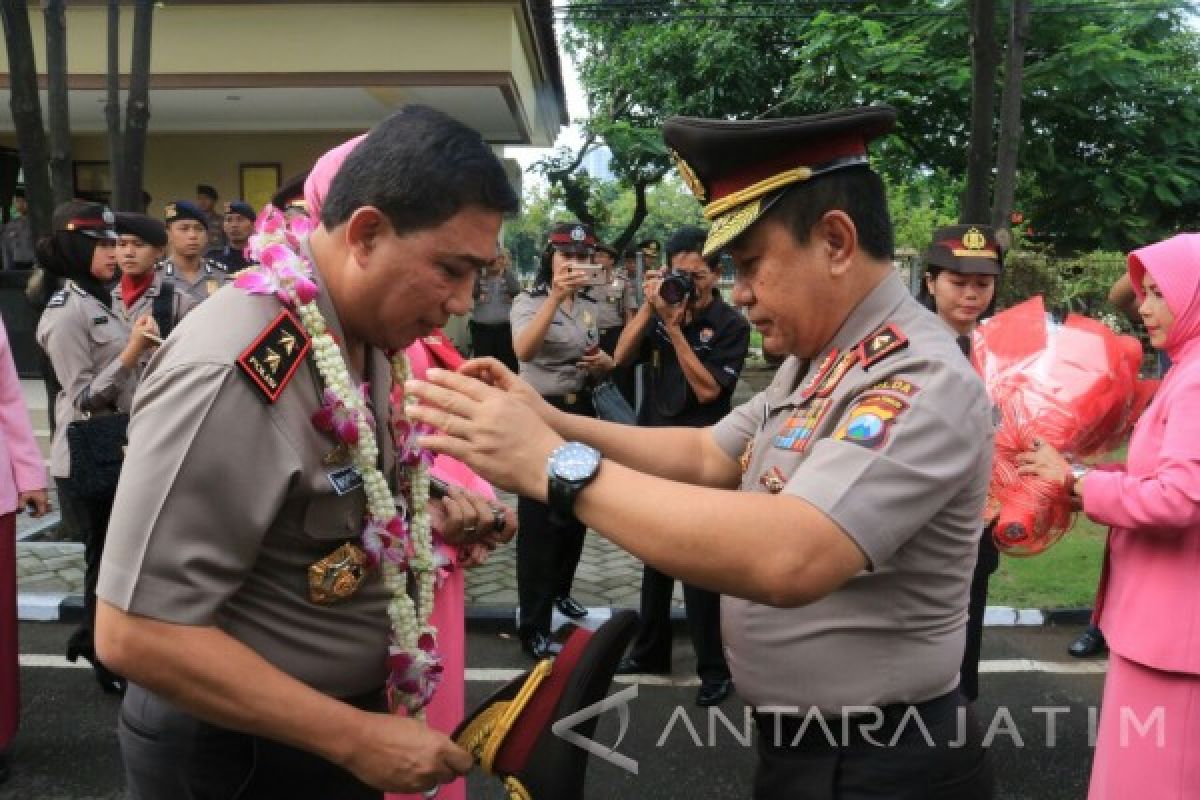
1062,577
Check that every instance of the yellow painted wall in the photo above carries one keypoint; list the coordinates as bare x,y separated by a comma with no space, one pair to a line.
176,163
327,37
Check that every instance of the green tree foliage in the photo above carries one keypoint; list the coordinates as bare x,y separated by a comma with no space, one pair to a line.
1110,156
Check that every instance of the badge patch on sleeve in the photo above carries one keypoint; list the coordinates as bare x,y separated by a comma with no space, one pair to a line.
870,420
273,358
881,344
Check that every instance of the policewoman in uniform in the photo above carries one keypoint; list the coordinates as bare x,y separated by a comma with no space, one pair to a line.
96,355
187,239
962,270
617,303
142,289
556,340
837,512
491,332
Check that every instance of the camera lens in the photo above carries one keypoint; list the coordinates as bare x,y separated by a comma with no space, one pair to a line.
676,288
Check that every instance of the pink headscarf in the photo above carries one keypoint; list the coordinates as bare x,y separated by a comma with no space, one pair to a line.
1175,266
316,185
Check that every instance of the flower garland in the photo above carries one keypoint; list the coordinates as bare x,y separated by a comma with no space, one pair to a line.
401,551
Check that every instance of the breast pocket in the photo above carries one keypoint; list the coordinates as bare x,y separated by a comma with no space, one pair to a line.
331,518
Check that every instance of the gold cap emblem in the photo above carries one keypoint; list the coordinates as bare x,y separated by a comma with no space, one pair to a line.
974,239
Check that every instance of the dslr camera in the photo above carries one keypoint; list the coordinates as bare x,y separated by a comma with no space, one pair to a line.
677,287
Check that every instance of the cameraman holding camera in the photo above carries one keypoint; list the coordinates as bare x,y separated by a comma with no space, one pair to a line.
694,345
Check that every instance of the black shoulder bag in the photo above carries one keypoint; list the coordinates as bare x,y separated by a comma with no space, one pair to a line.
97,448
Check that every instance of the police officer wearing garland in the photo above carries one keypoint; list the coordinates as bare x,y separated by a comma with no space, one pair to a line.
251,674
837,512
693,344
187,238
238,225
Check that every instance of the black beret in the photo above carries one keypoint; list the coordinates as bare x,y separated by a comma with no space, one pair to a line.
207,190
242,208
182,209
969,249
739,167
148,229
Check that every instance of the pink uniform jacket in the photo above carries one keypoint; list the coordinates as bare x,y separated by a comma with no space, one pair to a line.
1148,601
21,465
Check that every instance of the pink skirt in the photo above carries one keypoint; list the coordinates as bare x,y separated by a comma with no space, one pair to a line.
1148,743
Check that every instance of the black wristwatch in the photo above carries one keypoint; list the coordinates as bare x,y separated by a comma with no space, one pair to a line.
570,467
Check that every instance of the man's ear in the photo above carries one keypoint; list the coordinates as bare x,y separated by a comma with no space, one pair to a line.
838,236
364,230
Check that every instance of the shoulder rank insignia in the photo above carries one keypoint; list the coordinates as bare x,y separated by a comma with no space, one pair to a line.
273,358
58,299
881,344
870,419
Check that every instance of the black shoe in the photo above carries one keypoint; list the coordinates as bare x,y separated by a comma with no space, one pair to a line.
570,607
713,693
631,666
1089,643
540,646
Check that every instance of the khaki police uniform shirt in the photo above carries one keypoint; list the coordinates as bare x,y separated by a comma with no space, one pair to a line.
225,502
554,370
83,339
613,299
494,297
899,456
210,277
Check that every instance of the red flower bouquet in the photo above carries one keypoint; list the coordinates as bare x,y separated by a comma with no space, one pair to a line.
1073,385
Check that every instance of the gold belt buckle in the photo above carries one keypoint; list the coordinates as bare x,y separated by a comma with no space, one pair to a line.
337,576
571,398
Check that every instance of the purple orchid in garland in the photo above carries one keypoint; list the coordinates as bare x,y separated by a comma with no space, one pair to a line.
415,674
386,541
335,417
405,435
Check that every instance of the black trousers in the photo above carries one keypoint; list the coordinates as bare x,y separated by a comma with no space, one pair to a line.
623,376
494,340
894,761
168,753
987,563
548,551
652,648
90,518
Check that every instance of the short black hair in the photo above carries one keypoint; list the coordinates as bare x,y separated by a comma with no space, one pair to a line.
207,191
290,190
857,191
419,167
690,239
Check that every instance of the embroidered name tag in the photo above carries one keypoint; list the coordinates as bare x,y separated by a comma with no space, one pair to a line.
345,480
99,320
271,361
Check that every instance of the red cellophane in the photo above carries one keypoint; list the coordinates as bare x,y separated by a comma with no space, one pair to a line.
1073,385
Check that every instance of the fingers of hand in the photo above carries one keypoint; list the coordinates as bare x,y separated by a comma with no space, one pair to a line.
465,385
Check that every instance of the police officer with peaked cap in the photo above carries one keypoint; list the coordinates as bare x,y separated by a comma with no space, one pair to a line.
187,238
845,554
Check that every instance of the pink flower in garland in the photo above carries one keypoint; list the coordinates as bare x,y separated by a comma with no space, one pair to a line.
416,674
335,417
405,435
386,541
443,566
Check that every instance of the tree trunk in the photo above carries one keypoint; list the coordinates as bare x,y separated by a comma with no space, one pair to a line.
640,210
983,108
112,110
137,109
27,113
1010,122
62,179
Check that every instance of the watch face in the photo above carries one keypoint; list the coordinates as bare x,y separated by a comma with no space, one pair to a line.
575,461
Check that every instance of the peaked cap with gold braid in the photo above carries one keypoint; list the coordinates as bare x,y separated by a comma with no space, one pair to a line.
739,168
510,732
